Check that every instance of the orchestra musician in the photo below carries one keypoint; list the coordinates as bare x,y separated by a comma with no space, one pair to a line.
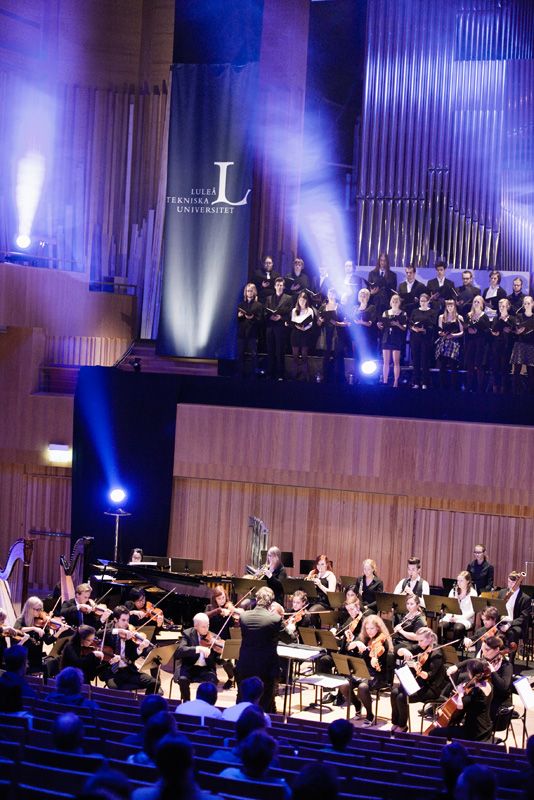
275,572
373,645
196,656
490,618
413,583
299,618
480,570
463,590
136,556
84,652
258,657
369,585
347,629
502,673
325,582
33,621
81,610
218,612
428,663
406,631
124,647
141,614
518,608
476,724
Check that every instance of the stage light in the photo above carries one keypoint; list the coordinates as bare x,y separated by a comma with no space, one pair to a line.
117,495
368,367
59,454
23,241
30,179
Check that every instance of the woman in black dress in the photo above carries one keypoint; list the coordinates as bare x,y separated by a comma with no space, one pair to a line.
523,350
393,324
302,319
83,652
422,332
364,319
325,582
373,645
501,345
249,315
450,332
476,331
407,626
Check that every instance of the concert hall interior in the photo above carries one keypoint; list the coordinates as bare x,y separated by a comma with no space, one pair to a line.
266,268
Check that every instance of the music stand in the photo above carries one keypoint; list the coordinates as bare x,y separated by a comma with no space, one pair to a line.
189,566
336,599
487,599
436,604
327,640
291,585
159,657
306,565
347,580
387,602
243,586
231,649
308,636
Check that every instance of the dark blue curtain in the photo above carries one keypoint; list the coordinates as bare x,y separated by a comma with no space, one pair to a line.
207,221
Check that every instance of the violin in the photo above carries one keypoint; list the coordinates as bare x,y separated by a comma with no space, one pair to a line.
212,642
376,650
154,614
446,712
296,617
13,633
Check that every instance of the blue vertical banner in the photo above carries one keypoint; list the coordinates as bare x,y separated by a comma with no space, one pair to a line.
207,220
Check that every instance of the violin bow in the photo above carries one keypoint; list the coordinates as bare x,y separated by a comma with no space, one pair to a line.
218,636
171,591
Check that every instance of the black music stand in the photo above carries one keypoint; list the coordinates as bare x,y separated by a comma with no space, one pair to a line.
387,602
188,566
326,639
243,586
347,580
481,603
306,565
159,657
291,585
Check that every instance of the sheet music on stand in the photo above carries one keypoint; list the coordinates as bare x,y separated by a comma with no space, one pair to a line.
407,680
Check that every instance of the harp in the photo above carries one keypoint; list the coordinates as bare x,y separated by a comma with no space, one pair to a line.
14,578
72,572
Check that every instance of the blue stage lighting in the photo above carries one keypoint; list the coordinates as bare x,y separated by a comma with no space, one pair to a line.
117,495
23,241
368,367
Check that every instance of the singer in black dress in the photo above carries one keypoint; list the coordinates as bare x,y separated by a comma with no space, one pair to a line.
302,321
422,333
249,315
364,327
523,350
476,332
393,324
501,345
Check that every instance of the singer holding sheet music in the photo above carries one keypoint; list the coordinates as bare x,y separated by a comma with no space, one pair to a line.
393,324
450,332
382,282
249,315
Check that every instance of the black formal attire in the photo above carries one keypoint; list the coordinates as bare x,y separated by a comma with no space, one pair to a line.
481,575
523,350
276,333
410,294
3,648
493,302
412,626
378,680
465,298
274,583
247,334
74,617
71,656
149,625
261,276
34,645
337,343
476,332
421,344
187,670
364,342
301,339
448,351
386,281
294,284
258,657
521,616
516,301
393,338
430,688
477,724
447,291
368,592
501,680
320,287
501,345
127,676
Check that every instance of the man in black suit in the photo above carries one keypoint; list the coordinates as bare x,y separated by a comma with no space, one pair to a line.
516,298
121,672
264,279
297,280
410,291
440,288
80,610
466,292
518,607
260,629
195,658
277,314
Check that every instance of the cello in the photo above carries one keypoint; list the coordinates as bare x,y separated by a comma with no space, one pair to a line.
446,713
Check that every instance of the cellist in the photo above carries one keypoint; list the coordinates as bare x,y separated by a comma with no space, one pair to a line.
473,700
428,663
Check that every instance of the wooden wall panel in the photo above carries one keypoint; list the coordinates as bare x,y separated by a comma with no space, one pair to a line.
84,350
210,521
452,461
446,540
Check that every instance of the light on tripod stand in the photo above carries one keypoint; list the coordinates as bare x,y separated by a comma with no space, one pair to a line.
117,496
